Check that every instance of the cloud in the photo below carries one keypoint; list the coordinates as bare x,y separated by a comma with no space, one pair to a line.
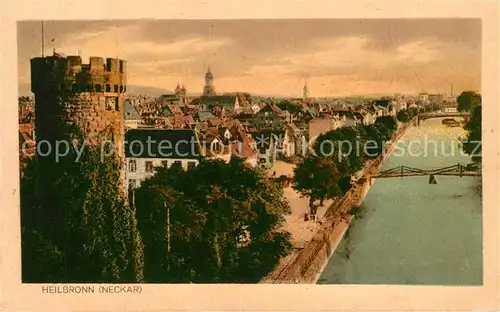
144,57
274,56
342,55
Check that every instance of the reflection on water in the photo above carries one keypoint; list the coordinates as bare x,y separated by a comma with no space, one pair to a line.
413,232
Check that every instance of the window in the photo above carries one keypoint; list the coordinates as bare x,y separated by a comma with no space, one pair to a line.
121,66
121,89
117,106
164,163
110,103
216,146
108,88
98,88
132,165
115,88
132,183
108,66
149,166
191,164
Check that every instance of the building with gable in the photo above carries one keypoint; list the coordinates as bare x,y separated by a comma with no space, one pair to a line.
131,117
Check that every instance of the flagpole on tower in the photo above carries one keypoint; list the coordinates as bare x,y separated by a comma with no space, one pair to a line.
43,41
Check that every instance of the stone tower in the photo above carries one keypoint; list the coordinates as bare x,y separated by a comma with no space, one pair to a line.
91,94
209,89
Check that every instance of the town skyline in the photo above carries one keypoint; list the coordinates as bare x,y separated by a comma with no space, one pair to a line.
340,57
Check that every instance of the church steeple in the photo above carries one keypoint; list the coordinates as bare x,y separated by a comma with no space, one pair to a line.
305,91
209,89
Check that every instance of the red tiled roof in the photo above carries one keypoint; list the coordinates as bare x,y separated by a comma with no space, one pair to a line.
214,121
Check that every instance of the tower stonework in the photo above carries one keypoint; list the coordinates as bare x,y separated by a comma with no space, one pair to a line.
91,94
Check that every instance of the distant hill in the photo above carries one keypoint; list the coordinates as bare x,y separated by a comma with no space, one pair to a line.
151,91
24,89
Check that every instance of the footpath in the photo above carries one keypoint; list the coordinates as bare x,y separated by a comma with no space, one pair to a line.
305,265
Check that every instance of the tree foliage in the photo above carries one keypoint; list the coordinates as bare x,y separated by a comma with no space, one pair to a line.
468,100
473,145
76,224
225,223
317,178
289,106
348,149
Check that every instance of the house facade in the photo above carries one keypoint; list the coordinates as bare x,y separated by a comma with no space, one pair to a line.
449,108
148,149
269,117
269,144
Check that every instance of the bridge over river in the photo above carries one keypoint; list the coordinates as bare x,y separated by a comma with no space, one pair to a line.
472,169
411,232
425,116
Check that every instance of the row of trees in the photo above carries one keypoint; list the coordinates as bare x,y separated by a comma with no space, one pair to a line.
470,101
217,222
339,154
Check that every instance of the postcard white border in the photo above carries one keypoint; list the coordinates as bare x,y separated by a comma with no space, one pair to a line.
15,296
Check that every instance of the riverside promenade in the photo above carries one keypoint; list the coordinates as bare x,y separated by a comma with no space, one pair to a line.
304,265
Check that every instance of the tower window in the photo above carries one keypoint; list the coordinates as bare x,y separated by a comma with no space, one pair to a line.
116,88
132,165
121,89
108,88
149,166
117,108
98,88
121,66
110,103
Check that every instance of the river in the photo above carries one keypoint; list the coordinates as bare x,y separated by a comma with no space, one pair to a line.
410,231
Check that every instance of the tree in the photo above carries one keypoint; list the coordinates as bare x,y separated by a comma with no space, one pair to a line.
225,223
468,100
289,106
388,122
317,178
473,143
375,138
403,115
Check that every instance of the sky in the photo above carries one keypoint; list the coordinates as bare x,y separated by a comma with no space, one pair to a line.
339,57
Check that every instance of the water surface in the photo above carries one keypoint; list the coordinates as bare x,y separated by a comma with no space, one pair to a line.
413,232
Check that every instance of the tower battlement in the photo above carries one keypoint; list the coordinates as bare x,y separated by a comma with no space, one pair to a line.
69,73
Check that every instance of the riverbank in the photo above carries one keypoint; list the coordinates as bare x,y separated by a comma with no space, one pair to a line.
411,232
304,265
